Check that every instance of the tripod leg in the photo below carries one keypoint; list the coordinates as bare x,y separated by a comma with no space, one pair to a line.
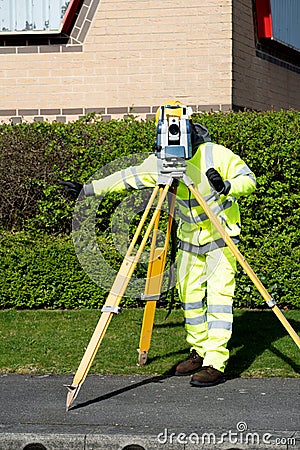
117,291
154,280
110,307
240,258
155,271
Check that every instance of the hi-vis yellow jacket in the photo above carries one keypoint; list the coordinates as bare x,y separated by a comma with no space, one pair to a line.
194,226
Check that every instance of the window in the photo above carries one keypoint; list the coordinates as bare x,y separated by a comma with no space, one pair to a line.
36,16
43,26
286,22
278,31
279,20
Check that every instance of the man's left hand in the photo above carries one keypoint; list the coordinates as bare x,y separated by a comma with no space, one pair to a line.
215,180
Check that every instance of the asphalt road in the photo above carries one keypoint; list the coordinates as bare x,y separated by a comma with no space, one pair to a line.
144,413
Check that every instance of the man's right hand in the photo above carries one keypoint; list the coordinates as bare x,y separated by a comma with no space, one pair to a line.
72,187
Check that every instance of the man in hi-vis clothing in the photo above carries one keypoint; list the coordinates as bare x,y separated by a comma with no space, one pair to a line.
205,266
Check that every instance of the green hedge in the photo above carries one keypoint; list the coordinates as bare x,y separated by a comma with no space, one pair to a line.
39,267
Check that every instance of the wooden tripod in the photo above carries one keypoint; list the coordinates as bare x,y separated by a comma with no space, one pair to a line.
173,170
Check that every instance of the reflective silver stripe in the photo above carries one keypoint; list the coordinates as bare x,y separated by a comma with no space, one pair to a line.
139,184
202,249
193,202
227,309
209,162
88,189
192,306
196,320
220,324
202,217
250,175
127,186
243,171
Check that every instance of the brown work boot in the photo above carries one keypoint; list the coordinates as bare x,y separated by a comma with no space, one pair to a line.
190,365
207,376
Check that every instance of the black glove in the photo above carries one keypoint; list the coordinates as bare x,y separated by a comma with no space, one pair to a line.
215,180
72,188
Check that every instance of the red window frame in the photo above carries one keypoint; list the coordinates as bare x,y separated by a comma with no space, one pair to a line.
264,19
69,15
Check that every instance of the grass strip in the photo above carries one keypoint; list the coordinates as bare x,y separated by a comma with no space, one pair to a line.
53,341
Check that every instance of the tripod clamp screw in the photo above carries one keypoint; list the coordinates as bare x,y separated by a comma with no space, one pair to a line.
150,297
111,309
271,302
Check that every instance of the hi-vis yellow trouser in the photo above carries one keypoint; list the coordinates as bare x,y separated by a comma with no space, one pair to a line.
208,323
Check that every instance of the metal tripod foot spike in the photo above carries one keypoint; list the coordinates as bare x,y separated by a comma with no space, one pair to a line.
142,358
73,391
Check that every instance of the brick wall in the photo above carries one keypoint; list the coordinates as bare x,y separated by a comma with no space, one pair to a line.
125,57
259,81
122,57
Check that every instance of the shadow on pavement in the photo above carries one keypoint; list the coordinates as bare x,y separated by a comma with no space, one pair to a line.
155,379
